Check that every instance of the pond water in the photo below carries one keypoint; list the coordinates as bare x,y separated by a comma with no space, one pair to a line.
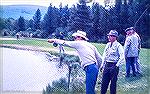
28,70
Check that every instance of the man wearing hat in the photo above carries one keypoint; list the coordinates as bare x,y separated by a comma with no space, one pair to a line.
89,57
113,57
131,49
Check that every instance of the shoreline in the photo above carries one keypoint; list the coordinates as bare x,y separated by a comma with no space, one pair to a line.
34,48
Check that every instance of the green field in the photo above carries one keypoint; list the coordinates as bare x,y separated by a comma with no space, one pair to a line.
133,85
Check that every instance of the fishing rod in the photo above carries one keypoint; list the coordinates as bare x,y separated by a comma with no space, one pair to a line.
142,15
61,49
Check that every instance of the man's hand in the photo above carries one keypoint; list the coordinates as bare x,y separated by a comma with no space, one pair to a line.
101,69
117,68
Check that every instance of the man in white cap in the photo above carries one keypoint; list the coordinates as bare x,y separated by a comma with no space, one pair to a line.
89,57
132,49
113,57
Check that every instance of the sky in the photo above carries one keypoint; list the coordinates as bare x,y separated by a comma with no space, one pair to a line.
45,2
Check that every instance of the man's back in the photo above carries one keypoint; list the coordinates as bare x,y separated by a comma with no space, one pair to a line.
131,46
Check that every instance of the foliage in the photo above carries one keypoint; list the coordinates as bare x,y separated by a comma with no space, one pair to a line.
50,21
36,19
96,20
57,86
21,24
2,24
82,18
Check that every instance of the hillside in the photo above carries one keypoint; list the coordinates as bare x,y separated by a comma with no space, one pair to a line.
26,11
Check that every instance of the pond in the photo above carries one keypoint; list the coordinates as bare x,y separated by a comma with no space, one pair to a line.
24,70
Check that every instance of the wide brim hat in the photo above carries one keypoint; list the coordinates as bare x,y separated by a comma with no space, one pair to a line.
81,34
113,33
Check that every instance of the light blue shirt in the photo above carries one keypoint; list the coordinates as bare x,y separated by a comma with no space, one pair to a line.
88,53
113,53
131,46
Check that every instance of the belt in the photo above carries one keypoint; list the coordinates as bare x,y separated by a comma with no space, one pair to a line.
110,64
88,66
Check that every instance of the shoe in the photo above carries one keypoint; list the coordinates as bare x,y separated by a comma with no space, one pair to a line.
138,73
134,75
127,76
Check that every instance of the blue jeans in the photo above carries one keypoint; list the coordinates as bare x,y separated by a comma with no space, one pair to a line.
137,65
130,61
91,78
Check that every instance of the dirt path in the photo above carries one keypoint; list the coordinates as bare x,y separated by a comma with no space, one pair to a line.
34,48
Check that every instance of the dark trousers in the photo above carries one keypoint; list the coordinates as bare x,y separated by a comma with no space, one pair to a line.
91,78
130,61
110,74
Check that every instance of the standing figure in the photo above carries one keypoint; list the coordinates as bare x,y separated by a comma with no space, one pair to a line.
18,35
131,50
137,62
89,57
113,57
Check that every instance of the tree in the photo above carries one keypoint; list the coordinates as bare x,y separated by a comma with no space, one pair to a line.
80,18
64,16
48,90
50,21
98,20
2,24
10,24
60,85
124,16
71,20
36,20
31,24
116,15
21,24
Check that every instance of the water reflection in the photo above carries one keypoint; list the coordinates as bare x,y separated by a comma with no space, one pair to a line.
28,70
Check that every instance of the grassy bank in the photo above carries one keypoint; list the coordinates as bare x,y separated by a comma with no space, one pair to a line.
133,85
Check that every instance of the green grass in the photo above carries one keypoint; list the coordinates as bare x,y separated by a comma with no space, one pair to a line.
28,42
133,85
43,43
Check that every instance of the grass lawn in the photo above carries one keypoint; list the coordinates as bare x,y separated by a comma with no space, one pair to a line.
133,85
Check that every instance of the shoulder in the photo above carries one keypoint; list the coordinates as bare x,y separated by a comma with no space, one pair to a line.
108,43
117,44
129,37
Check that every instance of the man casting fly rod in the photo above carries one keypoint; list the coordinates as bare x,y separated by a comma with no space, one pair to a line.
89,57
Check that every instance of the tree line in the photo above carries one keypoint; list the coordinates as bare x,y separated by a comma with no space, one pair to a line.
96,20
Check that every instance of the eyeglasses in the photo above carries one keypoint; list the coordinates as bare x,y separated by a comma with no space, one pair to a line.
111,36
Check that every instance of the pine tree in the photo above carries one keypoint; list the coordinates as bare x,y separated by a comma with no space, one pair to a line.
124,16
99,20
50,21
64,16
21,24
80,18
36,19
2,24
31,24
116,15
